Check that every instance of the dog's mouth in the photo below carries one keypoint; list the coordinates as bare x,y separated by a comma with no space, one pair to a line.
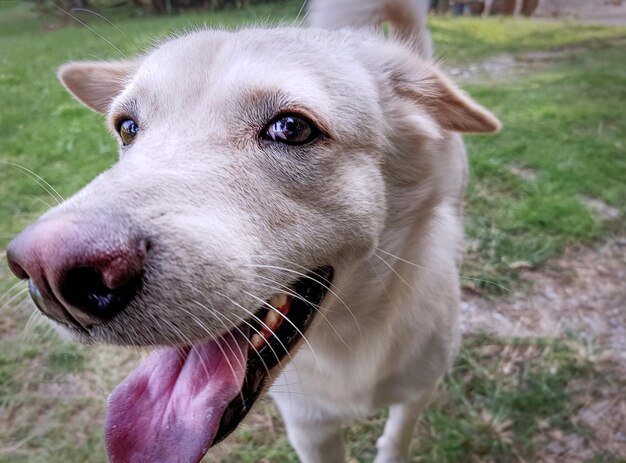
183,400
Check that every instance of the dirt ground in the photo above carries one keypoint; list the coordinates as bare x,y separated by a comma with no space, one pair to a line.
582,293
591,11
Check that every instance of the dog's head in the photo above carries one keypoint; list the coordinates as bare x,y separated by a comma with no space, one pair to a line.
253,173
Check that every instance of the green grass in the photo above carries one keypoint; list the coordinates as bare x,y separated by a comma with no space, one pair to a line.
467,40
564,125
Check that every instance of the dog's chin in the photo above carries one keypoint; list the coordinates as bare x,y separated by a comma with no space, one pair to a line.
182,400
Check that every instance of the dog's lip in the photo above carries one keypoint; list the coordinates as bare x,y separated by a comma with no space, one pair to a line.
183,400
308,294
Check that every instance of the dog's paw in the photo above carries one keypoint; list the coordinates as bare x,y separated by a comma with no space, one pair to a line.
391,450
386,458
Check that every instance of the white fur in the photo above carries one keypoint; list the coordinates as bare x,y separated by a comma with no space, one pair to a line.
380,200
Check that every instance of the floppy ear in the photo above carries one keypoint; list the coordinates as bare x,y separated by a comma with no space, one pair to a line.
96,83
423,85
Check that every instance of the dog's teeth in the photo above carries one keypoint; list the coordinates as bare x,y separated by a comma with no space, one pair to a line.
272,318
278,300
257,341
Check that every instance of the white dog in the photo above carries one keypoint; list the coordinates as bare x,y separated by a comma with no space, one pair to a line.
285,212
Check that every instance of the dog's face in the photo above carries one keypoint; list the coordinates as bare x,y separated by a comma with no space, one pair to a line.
253,172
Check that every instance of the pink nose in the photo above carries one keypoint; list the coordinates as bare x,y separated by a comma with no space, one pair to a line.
81,272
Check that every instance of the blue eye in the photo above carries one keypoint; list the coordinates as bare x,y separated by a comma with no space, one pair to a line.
128,131
291,130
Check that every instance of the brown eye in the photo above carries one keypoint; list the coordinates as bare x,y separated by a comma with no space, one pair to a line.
128,131
291,130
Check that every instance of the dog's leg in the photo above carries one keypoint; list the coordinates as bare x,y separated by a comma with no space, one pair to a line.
316,442
393,445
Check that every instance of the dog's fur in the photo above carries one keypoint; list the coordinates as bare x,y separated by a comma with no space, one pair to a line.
379,198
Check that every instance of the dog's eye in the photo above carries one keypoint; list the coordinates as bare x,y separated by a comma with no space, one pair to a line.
128,131
291,130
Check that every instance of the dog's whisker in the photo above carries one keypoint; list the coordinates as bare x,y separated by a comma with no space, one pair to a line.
10,301
215,312
38,179
394,271
243,320
287,351
202,326
217,343
292,293
82,23
300,11
228,329
7,293
95,13
382,283
24,305
35,319
305,269
327,287
41,200
267,370
261,322
279,313
289,393
188,341
175,337
178,334
278,287
479,280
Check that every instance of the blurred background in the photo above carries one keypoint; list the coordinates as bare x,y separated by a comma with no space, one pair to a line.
542,372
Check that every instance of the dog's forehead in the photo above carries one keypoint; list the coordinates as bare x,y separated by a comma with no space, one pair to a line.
225,63
281,43
191,51
213,78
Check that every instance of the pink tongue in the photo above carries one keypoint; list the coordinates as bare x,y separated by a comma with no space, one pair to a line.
169,409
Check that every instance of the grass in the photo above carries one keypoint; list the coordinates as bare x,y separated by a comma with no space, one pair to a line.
502,397
468,40
562,126
564,129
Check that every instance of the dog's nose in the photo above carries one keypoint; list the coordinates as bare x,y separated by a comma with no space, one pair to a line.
81,273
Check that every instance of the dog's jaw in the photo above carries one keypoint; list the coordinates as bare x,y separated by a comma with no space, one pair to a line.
183,400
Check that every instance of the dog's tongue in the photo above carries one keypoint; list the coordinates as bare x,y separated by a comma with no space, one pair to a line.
169,409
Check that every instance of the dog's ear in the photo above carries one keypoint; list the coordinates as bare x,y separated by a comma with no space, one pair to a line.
423,85
96,83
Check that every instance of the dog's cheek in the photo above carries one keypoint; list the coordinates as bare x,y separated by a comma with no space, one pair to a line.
364,199
350,212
